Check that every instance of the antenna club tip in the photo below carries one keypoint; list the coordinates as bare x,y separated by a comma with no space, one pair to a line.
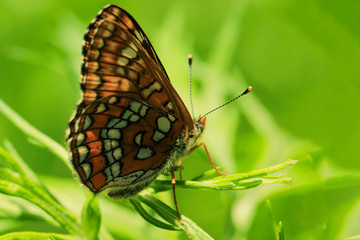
249,89
190,57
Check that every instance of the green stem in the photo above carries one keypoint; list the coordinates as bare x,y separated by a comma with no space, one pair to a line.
32,132
54,210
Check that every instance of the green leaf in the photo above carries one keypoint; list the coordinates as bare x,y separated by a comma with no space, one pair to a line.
34,133
167,213
207,175
240,181
8,175
357,237
280,229
36,236
146,216
32,190
91,218
9,161
313,211
163,210
193,230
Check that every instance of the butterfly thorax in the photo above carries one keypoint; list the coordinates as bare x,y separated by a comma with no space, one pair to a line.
186,141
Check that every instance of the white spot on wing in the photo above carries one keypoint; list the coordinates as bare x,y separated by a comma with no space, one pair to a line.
163,124
169,105
76,125
134,118
67,132
110,144
129,53
114,144
121,124
106,34
158,136
108,175
120,70
126,114
115,168
144,153
138,36
80,139
110,157
112,100
143,110
148,91
87,169
112,122
135,106
122,61
117,123
100,108
117,153
171,117
111,27
88,122
100,43
114,133
83,151
104,133
138,138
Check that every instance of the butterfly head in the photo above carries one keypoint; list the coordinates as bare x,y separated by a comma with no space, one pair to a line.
200,124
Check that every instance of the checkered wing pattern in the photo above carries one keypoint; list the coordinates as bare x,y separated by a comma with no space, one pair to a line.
130,119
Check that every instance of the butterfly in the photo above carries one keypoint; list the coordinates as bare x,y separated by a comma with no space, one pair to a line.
131,124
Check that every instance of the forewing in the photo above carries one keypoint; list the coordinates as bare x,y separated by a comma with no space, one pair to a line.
118,58
128,24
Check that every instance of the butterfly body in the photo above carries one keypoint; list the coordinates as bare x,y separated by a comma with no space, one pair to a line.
131,125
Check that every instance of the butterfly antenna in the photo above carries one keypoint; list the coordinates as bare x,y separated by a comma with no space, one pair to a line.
245,92
190,83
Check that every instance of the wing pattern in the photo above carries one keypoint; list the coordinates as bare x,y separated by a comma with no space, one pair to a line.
130,119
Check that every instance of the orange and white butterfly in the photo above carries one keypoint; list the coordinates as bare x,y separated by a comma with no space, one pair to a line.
131,125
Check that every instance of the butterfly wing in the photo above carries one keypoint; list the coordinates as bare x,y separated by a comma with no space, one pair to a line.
128,24
130,117
121,141
118,57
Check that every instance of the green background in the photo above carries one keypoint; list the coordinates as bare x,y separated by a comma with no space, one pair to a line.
302,58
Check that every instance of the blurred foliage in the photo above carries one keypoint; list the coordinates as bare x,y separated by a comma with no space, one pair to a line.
300,56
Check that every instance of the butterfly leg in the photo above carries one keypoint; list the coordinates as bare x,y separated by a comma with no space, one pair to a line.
173,182
208,154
